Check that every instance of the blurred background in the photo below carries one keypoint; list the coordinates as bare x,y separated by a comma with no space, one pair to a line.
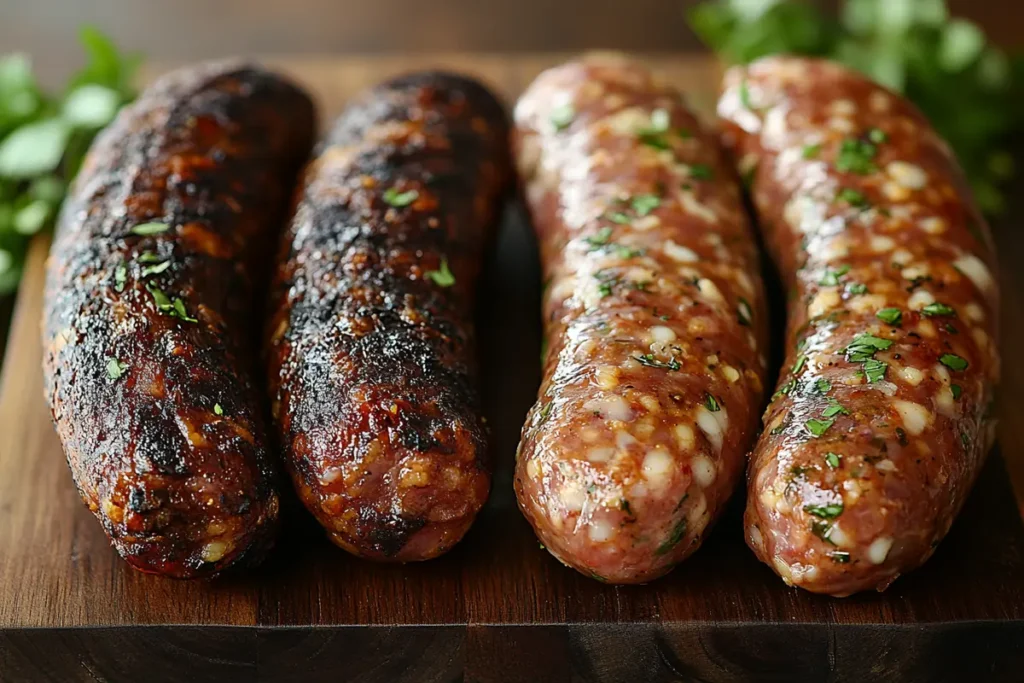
183,30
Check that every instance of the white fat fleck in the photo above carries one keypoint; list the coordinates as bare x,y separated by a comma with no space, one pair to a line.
901,256
730,373
711,360
638,491
692,206
908,175
895,192
881,244
886,387
915,416
331,474
703,470
600,531
648,222
783,569
843,107
624,439
607,377
841,125
836,249
610,407
824,301
852,488
684,437
919,299
662,335
879,549
572,496
886,465
865,303
214,551
839,537
745,283
710,290
657,467
980,337
974,312
977,272
756,540
532,469
944,402
941,373
926,328
713,424
913,272
911,376
679,253
879,102
932,225
601,454
775,127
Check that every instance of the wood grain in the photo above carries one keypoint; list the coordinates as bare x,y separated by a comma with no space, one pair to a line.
497,608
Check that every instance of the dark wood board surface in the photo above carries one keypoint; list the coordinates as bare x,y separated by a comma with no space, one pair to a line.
497,608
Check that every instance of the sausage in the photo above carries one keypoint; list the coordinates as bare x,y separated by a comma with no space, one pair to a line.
654,319
149,301
882,417
370,342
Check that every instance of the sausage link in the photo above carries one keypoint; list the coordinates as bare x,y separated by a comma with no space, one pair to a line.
371,353
654,318
882,416
149,308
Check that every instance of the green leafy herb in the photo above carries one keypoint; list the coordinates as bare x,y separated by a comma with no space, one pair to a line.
830,511
678,532
832,460
857,288
743,312
937,309
650,361
874,370
744,93
854,198
174,308
864,347
643,204
217,410
784,389
115,368
146,229
818,427
155,269
822,385
711,403
617,217
892,316
624,506
856,156
834,408
120,277
701,172
562,116
811,151
399,199
600,239
956,390
831,277
799,364
442,277
953,362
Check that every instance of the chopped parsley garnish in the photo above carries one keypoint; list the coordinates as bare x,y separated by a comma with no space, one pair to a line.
653,135
545,412
949,328
743,312
399,199
155,269
840,556
818,427
830,511
442,277
892,316
831,277
607,282
864,346
856,156
150,257
956,390
857,288
150,229
217,410
784,389
174,309
799,364
937,309
834,408
953,362
874,370
811,151
562,116
624,506
643,204
599,240
832,460
901,436
744,92
711,403
822,530
115,368
120,277
650,361
853,197
678,532
701,172
822,385
617,217
877,136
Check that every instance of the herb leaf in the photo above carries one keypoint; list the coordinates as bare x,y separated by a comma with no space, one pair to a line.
650,361
953,362
830,511
892,316
115,368
399,199
937,309
442,277
818,427
145,229
711,403
562,116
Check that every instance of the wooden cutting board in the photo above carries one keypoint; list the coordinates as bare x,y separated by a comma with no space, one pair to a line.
497,608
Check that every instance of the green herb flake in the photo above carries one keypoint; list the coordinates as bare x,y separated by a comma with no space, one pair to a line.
855,156
840,556
600,239
874,370
864,347
442,277
146,229
953,362
892,316
115,368
399,199
832,460
784,389
834,408
811,151
744,313
877,136
711,403
822,385
643,204
818,427
624,506
174,309
830,511
617,217
120,277
217,410
650,361
678,532
800,360
853,197
937,309
956,390
562,116
701,172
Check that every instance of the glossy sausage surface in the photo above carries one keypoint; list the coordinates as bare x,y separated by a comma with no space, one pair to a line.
149,312
371,353
882,417
654,319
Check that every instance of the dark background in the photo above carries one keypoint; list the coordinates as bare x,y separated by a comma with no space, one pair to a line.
180,30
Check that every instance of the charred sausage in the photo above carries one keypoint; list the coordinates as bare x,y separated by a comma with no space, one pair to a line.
654,318
371,355
149,306
882,419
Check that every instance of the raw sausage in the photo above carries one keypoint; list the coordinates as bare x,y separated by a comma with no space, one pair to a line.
882,417
654,318
149,309
371,355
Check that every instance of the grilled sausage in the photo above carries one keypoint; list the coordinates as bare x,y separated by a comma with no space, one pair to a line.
371,355
654,318
881,420
148,307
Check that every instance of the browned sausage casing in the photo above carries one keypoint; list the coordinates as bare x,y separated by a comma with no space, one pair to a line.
371,340
149,309
654,315
882,416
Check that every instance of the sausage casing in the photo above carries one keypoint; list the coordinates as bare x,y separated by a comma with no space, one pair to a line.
148,311
654,320
882,418
371,355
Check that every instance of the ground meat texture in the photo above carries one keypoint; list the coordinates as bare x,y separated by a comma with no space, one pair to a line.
882,417
654,322
149,314
371,353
